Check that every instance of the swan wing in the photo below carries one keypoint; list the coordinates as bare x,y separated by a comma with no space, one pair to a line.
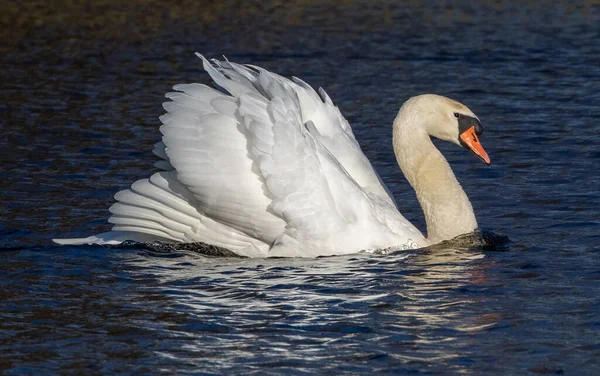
206,146
326,210
332,130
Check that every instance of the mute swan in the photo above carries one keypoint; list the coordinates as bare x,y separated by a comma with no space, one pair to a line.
273,169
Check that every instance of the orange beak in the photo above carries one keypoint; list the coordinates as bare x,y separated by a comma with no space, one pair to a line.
471,141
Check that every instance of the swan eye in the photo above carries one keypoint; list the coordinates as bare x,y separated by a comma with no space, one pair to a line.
456,115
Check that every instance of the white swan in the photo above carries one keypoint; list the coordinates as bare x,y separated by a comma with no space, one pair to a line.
273,169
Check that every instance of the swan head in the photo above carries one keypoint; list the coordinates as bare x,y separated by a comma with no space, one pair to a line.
447,120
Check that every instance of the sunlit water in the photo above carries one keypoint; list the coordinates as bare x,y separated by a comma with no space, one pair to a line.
80,114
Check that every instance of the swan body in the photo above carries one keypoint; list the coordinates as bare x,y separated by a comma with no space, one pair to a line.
274,169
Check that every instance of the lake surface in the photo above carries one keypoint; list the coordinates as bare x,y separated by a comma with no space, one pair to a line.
81,93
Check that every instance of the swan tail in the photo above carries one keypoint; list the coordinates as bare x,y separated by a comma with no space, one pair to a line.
108,238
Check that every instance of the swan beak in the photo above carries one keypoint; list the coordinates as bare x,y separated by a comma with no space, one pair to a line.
470,140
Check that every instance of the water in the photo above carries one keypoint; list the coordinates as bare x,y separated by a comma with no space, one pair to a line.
81,93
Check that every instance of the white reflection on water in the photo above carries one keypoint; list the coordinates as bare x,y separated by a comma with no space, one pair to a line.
405,305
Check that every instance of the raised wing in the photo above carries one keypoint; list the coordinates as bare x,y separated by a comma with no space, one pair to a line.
207,148
331,129
327,205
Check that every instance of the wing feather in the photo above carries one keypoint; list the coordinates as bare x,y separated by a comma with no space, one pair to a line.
334,131
209,153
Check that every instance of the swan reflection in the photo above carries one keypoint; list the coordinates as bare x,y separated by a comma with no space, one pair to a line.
412,300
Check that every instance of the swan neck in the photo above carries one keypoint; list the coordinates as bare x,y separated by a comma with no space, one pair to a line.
447,209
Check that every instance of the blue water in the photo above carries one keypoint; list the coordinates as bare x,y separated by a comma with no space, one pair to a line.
80,106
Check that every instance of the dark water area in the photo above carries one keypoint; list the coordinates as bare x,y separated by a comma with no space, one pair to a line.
81,93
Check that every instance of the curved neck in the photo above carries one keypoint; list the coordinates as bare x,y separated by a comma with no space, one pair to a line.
447,209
